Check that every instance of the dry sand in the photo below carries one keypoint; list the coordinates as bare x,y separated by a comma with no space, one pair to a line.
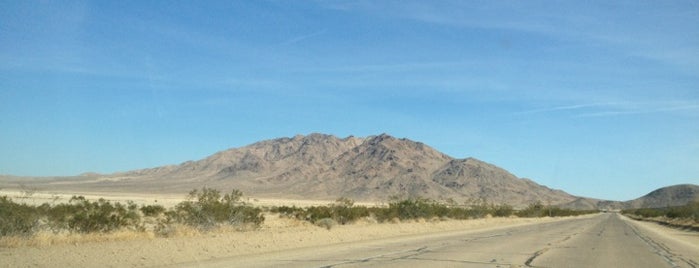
276,234
130,249
166,200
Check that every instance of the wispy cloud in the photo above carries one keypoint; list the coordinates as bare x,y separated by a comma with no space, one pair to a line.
648,108
566,108
393,67
632,29
300,38
610,109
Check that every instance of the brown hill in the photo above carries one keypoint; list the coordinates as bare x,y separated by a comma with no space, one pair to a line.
325,167
321,166
676,195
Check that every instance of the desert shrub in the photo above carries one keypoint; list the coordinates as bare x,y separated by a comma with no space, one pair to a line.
342,212
291,212
502,210
414,208
532,211
481,210
539,210
78,215
17,219
100,216
688,211
152,210
206,209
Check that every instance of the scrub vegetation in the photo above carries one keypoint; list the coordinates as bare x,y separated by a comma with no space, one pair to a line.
204,210
207,209
343,211
686,216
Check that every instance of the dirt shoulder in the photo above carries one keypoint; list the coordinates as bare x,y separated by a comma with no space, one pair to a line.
682,224
129,249
686,242
275,235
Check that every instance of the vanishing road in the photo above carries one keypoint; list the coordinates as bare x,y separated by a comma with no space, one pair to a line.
604,240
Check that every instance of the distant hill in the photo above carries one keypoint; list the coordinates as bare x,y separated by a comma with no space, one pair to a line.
676,195
319,166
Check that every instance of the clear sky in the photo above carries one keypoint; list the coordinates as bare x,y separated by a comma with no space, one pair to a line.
598,98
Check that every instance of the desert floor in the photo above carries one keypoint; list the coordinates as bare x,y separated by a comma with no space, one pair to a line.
276,234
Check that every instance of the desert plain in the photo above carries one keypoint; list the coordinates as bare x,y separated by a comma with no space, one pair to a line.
280,236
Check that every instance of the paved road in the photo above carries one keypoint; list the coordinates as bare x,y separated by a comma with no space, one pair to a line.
605,240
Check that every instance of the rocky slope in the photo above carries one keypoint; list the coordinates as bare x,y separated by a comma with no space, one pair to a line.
676,195
319,166
325,167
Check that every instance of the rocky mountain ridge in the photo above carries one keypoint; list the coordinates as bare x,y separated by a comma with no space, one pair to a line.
325,167
320,166
670,196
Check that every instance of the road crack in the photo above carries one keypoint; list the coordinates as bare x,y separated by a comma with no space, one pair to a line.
529,261
663,251
414,252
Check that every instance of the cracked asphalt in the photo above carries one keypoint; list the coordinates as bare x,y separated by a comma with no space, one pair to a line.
604,240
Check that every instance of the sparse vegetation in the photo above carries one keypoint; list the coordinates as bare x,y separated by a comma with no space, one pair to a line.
152,210
343,211
688,212
205,209
81,215
539,210
17,219
27,192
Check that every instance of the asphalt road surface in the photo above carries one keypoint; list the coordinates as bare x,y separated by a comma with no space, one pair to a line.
604,240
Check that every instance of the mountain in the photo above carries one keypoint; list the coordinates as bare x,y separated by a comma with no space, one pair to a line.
319,166
325,167
676,195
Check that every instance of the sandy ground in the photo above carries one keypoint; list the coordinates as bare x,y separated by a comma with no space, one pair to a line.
687,238
166,200
276,234
133,249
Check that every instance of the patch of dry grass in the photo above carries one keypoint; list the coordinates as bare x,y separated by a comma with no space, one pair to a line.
48,238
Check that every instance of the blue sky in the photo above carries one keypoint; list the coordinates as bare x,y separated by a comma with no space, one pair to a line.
597,98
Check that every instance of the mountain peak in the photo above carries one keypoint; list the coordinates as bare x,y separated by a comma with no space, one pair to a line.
322,166
670,196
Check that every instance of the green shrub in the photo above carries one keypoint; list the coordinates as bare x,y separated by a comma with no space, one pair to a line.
17,219
539,210
152,210
342,211
502,210
414,208
688,211
532,211
100,216
78,215
206,209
